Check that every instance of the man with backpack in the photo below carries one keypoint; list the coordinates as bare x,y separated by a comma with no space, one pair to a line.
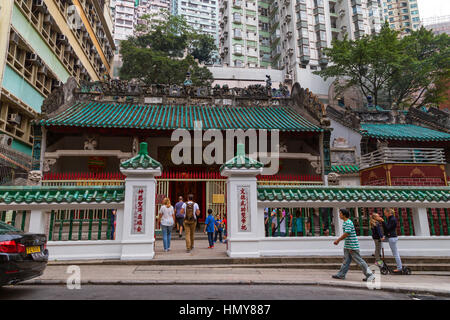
190,210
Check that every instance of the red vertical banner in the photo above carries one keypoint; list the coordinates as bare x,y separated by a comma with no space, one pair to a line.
139,199
243,195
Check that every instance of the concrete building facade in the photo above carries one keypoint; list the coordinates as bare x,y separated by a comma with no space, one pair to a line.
290,35
402,15
43,43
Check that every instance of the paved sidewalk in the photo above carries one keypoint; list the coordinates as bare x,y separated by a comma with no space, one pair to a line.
418,282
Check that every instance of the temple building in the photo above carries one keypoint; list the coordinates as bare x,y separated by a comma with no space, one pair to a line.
88,131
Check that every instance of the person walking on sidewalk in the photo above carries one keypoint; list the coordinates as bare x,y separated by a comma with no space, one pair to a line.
377,235
190,211
167,218
210,227
351,249
179,216
390,233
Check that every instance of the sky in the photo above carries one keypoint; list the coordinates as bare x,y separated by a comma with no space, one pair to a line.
433,8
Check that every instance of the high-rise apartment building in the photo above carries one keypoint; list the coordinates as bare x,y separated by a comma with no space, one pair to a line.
123,12
154,8
290,35
402,15
202,15
42,44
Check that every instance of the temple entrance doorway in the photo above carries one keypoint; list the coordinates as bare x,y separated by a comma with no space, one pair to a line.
186,187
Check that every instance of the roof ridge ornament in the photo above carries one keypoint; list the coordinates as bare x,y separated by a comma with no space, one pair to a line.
241,161
142,160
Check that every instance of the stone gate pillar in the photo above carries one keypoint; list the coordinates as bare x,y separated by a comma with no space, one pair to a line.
138,231
242,204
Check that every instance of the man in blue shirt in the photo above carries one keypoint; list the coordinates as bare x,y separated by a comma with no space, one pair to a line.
210,227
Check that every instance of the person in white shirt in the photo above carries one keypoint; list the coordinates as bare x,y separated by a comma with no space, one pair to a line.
167,218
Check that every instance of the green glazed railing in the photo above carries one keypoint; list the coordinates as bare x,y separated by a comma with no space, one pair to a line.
12,218
74,225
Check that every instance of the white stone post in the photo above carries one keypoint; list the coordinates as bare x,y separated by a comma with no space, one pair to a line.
138,223
420,220
337,222
244,219
38,221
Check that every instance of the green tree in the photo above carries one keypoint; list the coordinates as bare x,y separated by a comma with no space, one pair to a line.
405,70
424,67
367,63
164,51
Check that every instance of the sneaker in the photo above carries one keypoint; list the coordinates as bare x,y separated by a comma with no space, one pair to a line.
188,250
369,278
335,276
212,247
179,235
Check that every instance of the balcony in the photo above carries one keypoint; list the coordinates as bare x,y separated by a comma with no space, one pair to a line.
402,155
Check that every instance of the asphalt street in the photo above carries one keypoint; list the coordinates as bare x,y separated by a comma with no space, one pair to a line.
198,292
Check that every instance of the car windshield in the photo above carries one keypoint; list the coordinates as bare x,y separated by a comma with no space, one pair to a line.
8,229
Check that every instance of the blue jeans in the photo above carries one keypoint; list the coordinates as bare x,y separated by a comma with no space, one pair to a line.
348,256
211,239
167,234
218,233
393,245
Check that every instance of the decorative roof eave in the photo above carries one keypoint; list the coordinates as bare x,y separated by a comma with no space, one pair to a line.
142,161
402,132
61,196
354,196
345,169
170,117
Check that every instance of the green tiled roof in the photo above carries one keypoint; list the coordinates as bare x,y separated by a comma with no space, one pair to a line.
343,169
69,194
241,161
402,132
354,194
104,115
142,160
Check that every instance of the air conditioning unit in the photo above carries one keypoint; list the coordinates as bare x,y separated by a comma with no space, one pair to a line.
48,18
42,70
39,4
62,38
6,140
287,77
14,38
14,118
31,57
56,84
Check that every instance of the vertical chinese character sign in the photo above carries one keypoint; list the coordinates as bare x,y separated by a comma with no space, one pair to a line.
139,194
243,208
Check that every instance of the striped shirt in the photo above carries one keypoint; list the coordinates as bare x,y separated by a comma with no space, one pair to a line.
351,242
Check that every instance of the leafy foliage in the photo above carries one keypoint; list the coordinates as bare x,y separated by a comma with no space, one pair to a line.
164,51
409,71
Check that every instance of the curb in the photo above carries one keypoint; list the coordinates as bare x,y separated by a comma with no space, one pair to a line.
361,286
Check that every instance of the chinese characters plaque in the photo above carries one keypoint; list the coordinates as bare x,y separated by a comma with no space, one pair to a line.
243,208
139,194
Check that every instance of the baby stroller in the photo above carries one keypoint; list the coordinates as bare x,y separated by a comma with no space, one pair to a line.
385,269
